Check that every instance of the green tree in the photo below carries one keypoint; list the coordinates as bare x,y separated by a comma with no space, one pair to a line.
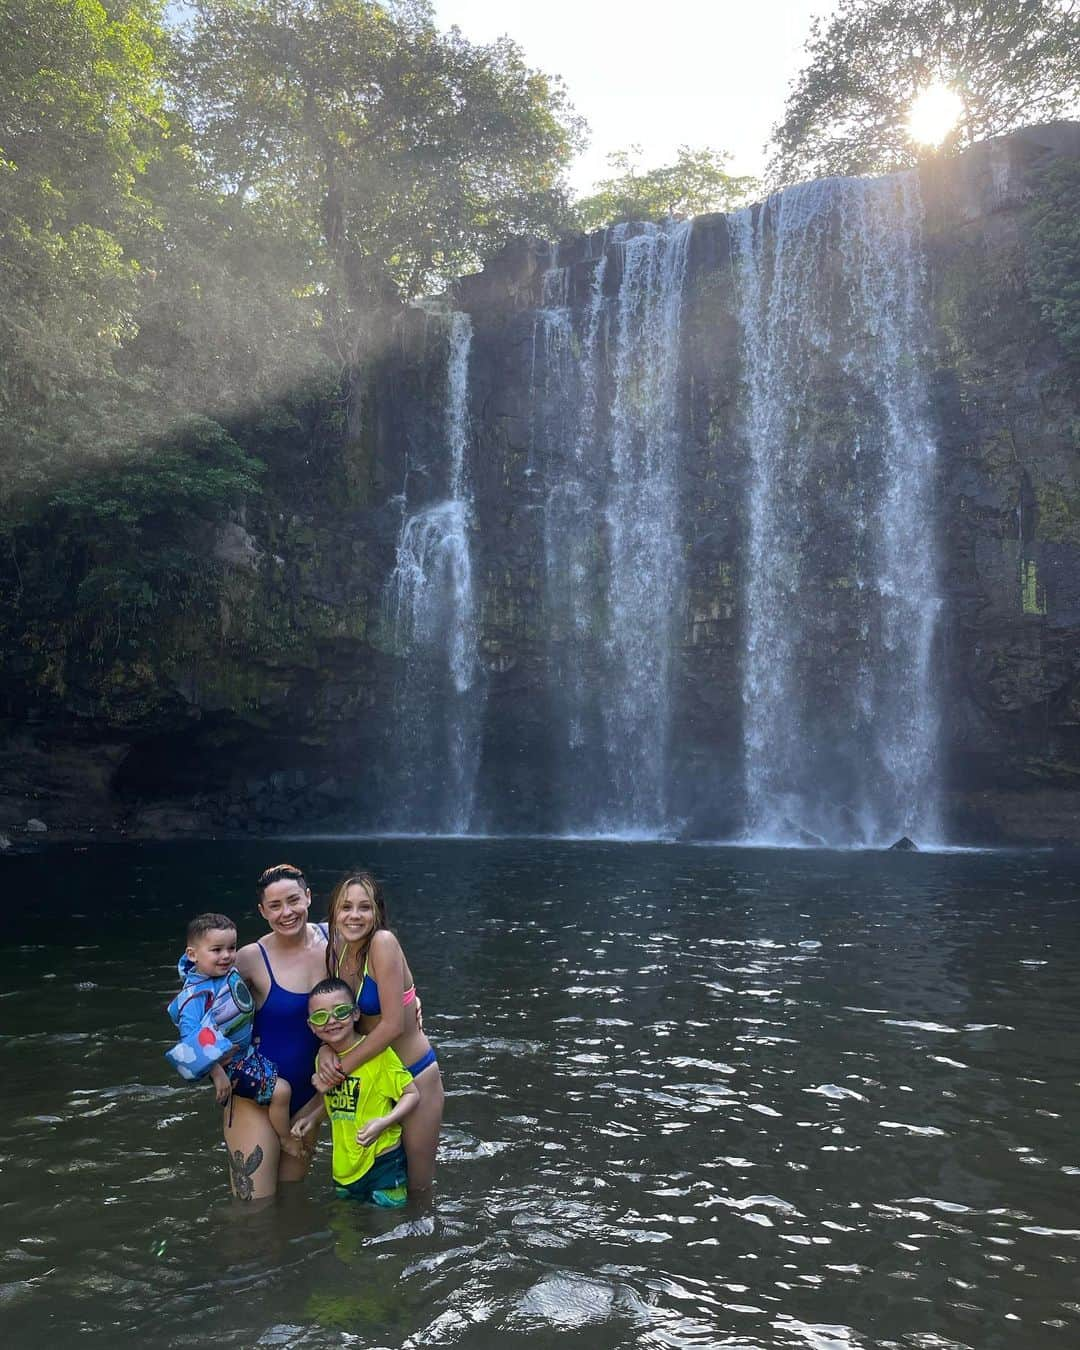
137,292
113,550
695,183
402,154
80,114
227,317
1012,62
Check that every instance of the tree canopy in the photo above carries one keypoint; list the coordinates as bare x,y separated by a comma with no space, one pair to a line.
1012,62
401,154
695,183
80,112
194,219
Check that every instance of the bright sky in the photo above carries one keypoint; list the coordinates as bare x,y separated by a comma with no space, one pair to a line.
711,74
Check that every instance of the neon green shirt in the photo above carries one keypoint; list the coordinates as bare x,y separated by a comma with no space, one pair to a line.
372,1089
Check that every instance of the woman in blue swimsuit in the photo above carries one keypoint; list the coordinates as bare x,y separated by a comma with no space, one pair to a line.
279,970
362,951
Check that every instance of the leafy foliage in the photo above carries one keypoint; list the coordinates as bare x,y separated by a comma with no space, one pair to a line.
227,318
400,154
80,110
1055,260
197,223
194,475
695,183
1013,62
131,537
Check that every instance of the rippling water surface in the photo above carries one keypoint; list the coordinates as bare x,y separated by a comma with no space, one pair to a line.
696,1097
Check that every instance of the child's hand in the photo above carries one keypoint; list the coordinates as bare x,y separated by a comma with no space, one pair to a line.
371,1131
293,1148
222,1086
302,1127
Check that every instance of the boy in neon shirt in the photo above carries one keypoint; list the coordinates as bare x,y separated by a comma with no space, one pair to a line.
365,1109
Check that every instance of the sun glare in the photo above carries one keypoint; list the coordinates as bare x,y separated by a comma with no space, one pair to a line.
933,114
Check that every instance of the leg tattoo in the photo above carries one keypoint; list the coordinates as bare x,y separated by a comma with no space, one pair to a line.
242,1169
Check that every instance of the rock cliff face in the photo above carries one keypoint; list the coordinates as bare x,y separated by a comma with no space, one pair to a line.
277,707
1006,402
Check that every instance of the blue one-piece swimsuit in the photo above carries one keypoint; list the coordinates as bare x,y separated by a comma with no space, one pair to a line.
283,1034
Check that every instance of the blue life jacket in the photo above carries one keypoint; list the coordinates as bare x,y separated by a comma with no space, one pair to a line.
215,1014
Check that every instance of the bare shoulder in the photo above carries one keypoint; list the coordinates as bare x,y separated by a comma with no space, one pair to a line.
250,964
315,952
384,942
384,950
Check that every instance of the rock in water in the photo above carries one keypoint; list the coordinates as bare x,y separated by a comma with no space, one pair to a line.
904,845
35,826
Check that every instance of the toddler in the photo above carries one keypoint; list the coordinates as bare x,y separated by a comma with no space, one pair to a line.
214,1012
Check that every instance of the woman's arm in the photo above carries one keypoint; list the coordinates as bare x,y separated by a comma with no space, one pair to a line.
386,965
253,969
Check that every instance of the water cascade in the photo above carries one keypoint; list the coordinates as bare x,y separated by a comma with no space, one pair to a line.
430,607
806,481
565,417
611,533
839,718
643,527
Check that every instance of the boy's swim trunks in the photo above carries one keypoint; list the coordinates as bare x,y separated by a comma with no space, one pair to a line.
254,1076
384,1182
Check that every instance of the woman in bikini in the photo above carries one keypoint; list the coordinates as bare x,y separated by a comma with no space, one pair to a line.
279,970
362,951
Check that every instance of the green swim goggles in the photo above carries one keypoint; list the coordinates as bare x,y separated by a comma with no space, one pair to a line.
341,1012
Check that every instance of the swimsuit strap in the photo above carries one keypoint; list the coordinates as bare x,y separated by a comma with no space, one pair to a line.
266,961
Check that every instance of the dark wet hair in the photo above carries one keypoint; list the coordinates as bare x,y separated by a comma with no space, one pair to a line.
332,985
373,886
279,872
204,923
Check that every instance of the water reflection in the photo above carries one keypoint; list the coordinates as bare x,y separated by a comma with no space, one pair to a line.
695,1097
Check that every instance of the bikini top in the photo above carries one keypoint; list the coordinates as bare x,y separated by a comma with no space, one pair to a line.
367,996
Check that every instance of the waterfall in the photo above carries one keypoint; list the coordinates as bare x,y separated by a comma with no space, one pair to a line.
612,545
565,417
430,606
822,510
840,724
643,528
572,518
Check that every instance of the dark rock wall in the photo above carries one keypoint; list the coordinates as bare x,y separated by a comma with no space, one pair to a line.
274,711
1007,403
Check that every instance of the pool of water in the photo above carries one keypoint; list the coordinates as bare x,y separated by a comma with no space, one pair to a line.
696,1097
